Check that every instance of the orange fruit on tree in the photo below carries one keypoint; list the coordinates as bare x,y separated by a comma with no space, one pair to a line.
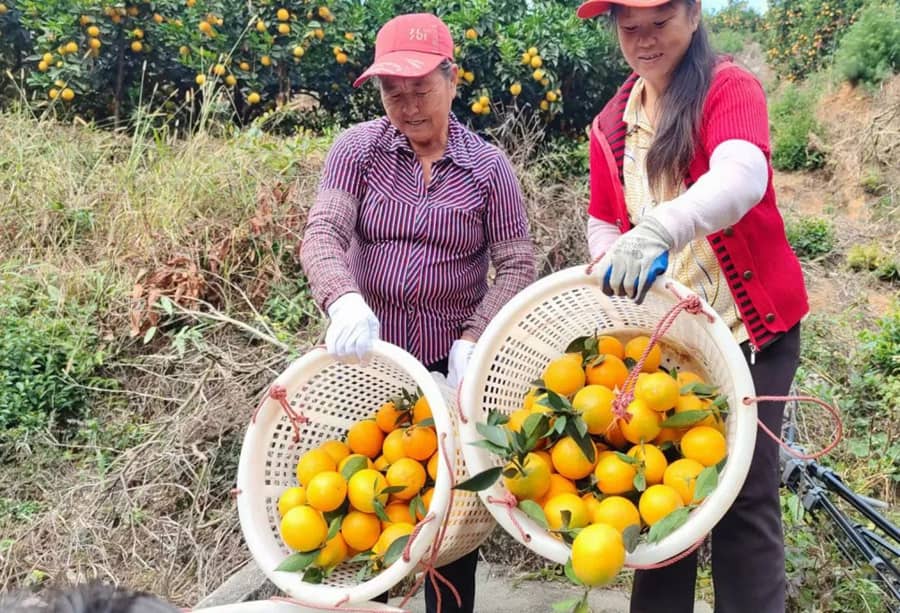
610,345
635,348
643,425
290,498
598,554
364,488
569,460
282,14
558,485
365,437
408,473
616,511
704,444
567,501
681,476
658,390
657,501
653,460
389,535
611,372
303,528
564,375
614,475
326,491
312,463
397,512
419,442
333,553
533,483
338,450
389,417
594,402
421,410
392,448
360,530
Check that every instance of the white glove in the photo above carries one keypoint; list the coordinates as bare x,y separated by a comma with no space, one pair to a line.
630,267
460,352
353,329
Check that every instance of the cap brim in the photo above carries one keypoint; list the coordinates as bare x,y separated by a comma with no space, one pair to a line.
401,64
593,8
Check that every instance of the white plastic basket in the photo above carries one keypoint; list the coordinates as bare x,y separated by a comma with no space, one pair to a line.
332,395
538,324
281,606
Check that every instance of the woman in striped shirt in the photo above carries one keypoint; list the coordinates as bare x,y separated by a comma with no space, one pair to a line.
680,165
411,210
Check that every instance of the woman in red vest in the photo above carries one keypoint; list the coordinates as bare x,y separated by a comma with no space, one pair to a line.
680,166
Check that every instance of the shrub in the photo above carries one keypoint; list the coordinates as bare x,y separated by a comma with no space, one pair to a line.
49,352
881,348
870,51
727,41
810,237
873,258
792,124
102,60
736,16
801,35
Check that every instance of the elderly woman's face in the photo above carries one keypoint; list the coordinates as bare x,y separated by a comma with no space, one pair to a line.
419,107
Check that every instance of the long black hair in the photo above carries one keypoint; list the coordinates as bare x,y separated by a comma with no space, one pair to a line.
680,113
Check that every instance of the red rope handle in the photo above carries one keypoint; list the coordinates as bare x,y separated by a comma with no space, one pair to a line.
459,409
279,393
691,304
414,534
836,418
509,501
590,267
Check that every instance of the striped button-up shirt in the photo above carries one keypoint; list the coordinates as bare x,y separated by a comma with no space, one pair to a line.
418,253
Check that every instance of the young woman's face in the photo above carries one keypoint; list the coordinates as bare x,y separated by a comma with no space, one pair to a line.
655,39
420,107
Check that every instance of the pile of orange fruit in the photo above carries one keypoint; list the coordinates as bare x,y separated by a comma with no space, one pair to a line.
645,465
357,497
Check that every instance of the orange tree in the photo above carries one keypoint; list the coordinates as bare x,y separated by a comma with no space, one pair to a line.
102,58
802,35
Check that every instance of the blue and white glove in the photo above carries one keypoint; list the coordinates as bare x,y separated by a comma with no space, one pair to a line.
353,329
635,260
460,353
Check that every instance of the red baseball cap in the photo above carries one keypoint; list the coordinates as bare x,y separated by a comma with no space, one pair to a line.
409,46
592,8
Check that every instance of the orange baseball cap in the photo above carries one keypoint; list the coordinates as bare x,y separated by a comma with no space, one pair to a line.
409,46
592,8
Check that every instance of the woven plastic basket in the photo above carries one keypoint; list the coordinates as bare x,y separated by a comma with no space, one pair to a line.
538,324
332,395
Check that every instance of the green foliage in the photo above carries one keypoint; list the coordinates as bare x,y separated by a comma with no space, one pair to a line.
49,351
290,307
872,257
870,51
801,35
810,237
736,16
881,347
187,59
792,124
727,41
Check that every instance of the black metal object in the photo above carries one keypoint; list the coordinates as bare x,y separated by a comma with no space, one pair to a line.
816,485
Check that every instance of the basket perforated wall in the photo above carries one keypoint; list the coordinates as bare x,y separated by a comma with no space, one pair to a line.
538,325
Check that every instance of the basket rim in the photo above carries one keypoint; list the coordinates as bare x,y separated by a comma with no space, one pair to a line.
249,480
703,518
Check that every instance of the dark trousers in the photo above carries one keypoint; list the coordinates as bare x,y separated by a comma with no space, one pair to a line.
460,573
748,543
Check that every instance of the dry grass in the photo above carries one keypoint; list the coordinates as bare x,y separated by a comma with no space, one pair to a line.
139,495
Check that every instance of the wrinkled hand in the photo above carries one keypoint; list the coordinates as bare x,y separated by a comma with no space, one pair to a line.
460,353
353,329
630,266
